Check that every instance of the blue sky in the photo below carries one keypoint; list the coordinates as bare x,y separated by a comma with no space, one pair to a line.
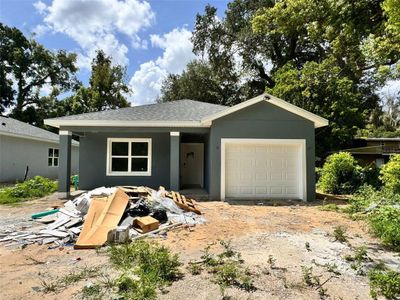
152,38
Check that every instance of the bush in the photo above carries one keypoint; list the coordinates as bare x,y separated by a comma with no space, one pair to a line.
370,176
390,174
385,283
366,196
385,224
32,188
340,174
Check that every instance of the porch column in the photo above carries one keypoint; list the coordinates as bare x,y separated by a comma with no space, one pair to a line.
64,164
174,160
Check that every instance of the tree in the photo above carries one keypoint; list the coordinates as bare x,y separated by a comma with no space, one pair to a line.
107,88
312,53
26,67
200,82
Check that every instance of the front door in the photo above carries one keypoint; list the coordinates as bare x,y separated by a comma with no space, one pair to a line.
192,165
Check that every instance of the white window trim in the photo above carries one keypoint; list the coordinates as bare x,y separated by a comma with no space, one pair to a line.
302,159
52,158
129,141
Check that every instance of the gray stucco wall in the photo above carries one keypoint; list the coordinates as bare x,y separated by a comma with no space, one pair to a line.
17,153
93,160
264,121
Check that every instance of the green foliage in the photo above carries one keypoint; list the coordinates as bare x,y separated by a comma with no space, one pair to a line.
199,81
330,207
145,267
339,234
312,54
25,67
385,223
385,283
390,174
33,188
340,174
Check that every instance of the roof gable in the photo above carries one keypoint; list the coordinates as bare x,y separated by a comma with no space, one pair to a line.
317,120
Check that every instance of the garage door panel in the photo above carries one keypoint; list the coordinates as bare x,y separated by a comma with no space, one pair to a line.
262,170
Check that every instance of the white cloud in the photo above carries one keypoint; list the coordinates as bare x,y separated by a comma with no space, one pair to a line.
40,6
146,82
40,29
94,24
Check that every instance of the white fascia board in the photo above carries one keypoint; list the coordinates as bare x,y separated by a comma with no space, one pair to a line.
116,123
32,138
317,120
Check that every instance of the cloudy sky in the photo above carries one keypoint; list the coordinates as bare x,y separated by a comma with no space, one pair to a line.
151,38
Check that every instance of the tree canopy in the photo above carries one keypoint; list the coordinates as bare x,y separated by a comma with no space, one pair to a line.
26,67
329,57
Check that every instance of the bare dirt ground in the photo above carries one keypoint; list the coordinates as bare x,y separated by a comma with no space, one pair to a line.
257,232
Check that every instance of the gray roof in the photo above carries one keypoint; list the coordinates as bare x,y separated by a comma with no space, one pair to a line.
9,126
180,110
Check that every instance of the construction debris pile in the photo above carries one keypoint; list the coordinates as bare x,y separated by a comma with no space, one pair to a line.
116,214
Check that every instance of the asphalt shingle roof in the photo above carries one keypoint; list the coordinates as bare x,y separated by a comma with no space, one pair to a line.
180,110
15,127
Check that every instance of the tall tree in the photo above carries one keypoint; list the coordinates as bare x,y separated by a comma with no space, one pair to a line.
107,88
311,53
26,67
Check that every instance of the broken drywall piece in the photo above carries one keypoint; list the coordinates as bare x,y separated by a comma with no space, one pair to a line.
59,222
56,233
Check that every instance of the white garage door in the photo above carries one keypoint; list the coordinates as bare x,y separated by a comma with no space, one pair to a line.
263,169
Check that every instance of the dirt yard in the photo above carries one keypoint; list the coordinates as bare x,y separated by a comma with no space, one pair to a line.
261,233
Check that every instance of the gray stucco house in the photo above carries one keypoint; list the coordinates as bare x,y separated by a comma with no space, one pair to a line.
261,148
24,147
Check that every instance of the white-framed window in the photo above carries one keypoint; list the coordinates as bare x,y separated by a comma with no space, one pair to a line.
52,160
129,157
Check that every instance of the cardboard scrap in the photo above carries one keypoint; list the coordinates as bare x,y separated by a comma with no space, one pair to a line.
103,215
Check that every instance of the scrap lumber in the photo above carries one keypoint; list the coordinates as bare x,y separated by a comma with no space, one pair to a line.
104,215
183,202
146,224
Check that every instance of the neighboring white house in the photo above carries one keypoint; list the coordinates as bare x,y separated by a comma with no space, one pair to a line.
26,148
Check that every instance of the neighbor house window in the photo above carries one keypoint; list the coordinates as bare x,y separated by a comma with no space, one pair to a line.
52,160
129,157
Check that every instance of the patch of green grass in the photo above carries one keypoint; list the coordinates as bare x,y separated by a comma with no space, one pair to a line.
94,291
145,266
27,190
384,283
330,207
69,279
339,234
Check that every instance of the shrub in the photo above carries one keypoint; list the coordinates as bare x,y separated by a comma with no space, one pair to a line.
390,174
370,176
33,188
339,234
340,174
385,223
366,196
385,283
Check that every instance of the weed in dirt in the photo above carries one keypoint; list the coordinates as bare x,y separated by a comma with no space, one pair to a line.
227,268
94,291
49,286
195,268
312,280
332,268
71,278
330,207
357,261
384,283
145,266
339,234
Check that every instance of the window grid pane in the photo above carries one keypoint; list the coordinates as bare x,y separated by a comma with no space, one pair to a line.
130,157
